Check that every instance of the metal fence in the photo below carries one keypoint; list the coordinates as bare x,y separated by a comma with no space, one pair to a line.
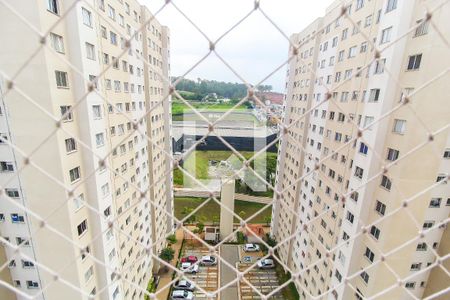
240,274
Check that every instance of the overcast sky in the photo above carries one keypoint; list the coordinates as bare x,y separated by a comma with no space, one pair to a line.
254,49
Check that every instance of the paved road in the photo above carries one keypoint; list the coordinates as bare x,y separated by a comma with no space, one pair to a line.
231,254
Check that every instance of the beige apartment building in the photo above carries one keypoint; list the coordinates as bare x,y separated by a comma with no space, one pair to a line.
347,161
88,198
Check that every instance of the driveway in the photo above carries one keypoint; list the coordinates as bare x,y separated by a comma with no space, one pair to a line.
229,253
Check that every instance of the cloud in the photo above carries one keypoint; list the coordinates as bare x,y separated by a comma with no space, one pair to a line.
254,48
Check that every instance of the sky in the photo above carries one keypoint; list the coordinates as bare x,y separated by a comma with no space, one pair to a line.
254,49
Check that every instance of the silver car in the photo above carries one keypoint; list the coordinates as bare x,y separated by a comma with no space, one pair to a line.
251,248
184,285
266,264
182,295
208,260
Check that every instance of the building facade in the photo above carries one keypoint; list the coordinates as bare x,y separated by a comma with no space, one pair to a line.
85,134
361,95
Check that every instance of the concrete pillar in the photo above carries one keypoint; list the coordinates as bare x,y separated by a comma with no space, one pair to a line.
227,200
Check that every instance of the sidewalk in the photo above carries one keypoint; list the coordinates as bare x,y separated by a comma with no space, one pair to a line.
162,292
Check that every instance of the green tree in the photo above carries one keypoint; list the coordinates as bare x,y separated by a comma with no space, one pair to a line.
268,219
242,214
200,227
167,255
215,220
172,239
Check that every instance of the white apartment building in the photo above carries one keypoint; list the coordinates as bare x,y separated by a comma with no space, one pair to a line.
96,180
319,162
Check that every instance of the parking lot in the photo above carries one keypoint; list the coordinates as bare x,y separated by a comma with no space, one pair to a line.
207,277
265,281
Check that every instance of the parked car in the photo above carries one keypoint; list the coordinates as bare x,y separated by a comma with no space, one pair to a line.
251,248
266,264
190,268
192,259
184,285
183,295
208,260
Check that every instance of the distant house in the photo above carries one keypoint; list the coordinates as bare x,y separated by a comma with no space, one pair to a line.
210,97
272,97
254,231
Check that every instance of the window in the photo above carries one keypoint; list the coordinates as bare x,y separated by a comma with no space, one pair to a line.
392,154
386,183
111,12
363,148
359,4
379,66
369,254
380,208
421,247
27,264
16,218
71,145
386,35
90,51
359,172
350,217
6,166
61,79
13,193
113,37
363,48
428,224
66,113
100,139
391,5
441,178
374,95
82,227
368,120
57,42
399,126
32,284
87,17
447,153
52,6
414,62
410,285
375,232
344,34
78,201
97,111
421,29
74,174
365,276
89,273
352,52
416,266
105,189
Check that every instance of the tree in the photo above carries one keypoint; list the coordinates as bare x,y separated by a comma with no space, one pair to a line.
242,214
200,227
268,219
186,211
215,220
167,255
172,239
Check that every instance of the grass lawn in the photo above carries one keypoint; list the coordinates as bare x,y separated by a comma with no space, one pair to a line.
290,291
179,107
211,210
197,163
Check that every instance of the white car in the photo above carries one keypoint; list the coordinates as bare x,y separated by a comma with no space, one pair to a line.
187,267
208,260
184,285
266,264
183,295
251,248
